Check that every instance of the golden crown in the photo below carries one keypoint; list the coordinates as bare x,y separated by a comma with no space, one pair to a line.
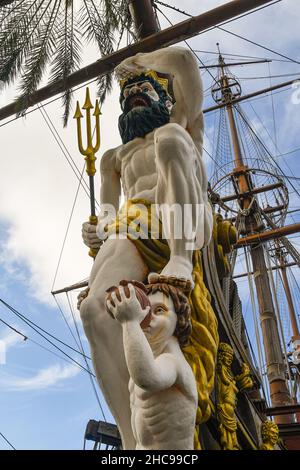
164,82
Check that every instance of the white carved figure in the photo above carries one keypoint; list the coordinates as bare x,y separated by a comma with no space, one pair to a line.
160,161
163,393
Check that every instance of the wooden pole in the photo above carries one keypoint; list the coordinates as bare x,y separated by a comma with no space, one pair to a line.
144,18
181,31
252,95
274,356
268,235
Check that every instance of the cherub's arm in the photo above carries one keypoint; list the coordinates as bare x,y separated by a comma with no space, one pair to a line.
182,64
149,373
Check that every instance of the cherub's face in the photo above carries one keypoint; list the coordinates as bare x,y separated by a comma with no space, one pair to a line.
163,319
273,435
227,359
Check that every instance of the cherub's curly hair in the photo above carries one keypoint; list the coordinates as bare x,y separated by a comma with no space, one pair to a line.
268,426
223,350
182,309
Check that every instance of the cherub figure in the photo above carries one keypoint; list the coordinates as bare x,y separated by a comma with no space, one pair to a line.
163,393
269,435
228,386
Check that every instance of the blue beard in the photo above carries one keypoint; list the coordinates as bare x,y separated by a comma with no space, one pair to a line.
141,121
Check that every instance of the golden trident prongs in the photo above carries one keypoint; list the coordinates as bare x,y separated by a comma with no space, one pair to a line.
90,151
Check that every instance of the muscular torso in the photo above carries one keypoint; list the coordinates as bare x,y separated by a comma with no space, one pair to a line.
161,419
136,161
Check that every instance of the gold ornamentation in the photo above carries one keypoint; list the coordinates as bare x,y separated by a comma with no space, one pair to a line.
269,435
228,386
226,398
224,236
164,82
90,151
244,380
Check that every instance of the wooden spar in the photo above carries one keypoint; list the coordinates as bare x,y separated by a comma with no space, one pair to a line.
268,235
233,64
251,95
262,189
274,268
78,285
181,31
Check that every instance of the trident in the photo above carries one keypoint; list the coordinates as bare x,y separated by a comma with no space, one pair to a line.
90,151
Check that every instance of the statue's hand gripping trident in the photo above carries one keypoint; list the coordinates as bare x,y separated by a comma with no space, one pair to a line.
90,151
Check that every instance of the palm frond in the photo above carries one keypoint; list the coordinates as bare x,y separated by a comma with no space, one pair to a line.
40,54
37,33
68,53
18,37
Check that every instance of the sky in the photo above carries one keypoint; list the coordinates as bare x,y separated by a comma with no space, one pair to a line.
46,401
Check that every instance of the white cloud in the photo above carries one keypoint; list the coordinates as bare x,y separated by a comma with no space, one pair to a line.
10,339
46,378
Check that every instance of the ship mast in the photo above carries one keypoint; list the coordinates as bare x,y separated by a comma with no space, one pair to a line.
276,369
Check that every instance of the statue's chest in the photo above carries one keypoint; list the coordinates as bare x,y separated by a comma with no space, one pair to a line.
138,160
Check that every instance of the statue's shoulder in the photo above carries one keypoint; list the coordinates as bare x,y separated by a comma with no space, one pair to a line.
109,159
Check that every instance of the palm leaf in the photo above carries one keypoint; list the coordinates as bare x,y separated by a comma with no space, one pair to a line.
36,34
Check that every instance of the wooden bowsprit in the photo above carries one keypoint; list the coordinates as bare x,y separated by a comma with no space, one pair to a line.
90,152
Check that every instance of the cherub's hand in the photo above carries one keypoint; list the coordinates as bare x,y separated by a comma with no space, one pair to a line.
130,67
128,308
244,380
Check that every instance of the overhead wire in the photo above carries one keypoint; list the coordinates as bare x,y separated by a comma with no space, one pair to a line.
65,320
87,364
25,113
27,338
38,329
64,149
191,49
13,329
67,229
7,441
235,34
258,45
269,154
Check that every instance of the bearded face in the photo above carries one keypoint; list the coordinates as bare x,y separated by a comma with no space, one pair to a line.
146,106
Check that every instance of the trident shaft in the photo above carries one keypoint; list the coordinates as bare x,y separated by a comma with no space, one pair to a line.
90,151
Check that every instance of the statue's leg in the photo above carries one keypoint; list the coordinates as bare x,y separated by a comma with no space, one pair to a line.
181,184
116,260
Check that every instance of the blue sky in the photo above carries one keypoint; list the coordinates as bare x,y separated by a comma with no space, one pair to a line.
46,402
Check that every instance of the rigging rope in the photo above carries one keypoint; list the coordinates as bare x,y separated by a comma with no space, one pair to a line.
7,441
191,49
277,313
13,329
67,229
258,45
36,328
255,322
87,364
